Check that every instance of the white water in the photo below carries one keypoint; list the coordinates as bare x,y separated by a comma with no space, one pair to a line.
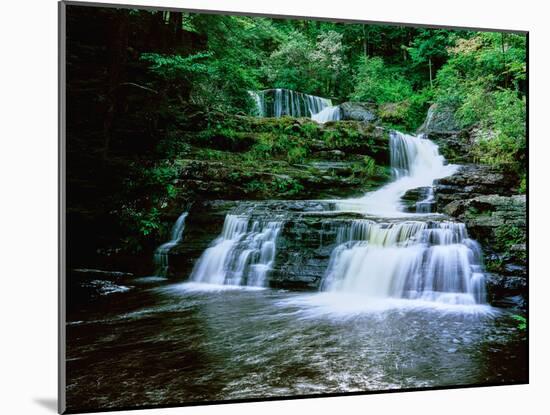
161,253
425,261
425,205
242,255
279,102
327,114
428,261
415,162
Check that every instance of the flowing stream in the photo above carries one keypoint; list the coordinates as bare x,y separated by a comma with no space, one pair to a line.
415,163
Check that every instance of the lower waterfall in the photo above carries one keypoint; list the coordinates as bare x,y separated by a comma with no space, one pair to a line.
243,254
430,261
420,259
161,253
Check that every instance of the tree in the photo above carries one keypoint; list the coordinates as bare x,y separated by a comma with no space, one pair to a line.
430,47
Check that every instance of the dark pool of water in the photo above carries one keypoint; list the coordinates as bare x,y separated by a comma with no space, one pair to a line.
165,344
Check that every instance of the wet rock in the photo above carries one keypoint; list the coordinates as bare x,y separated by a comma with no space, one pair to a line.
473,180
304,245
331,155
98,273
411,197
506,291
359,111
439,120
485,199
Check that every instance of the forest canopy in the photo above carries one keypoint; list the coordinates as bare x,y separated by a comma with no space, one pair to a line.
480,75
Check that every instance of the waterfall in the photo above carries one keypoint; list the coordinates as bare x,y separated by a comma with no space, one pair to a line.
415,162
408,259
327,114
259,101
279,102
161,253
433,261
243,254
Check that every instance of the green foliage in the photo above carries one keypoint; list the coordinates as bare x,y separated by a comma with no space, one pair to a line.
376,82
341,135
287,185
178,67
484,80
149,222
430,44
522,321
367,168
297,154
310,130
279,186
504,141
148,189
311,66
523,184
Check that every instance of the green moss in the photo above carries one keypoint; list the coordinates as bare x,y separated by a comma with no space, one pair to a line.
507,236
279,186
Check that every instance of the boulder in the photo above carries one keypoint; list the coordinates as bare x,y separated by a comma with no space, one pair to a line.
413,196
439,120
440,126
359,111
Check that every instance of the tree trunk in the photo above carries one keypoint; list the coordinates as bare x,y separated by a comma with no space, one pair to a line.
117,73
431,76
175,24
365,42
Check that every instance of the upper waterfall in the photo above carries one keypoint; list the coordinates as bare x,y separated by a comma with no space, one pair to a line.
327,114
278,102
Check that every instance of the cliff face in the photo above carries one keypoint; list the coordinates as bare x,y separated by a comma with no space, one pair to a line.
486,200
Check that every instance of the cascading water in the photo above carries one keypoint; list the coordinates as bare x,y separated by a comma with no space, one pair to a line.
430,261
279,102
425,205
415,162
161,253
412,259
327,114
242,255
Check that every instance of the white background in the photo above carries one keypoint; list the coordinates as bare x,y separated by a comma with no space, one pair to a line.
28,231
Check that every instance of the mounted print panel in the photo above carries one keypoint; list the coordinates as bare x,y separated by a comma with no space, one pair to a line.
258,207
